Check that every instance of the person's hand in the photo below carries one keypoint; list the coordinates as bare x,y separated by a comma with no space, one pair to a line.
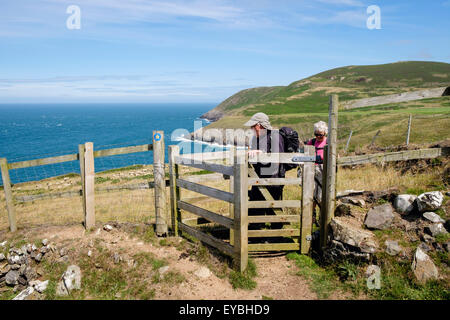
253,153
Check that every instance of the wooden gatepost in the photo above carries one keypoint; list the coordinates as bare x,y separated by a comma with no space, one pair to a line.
243,176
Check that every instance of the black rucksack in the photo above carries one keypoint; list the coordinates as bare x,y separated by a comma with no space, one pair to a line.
291,143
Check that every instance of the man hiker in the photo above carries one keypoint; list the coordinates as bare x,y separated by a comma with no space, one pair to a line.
267,140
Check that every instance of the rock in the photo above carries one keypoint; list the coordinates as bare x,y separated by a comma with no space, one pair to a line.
433,217
45,242
29,248
436,229
203,273
107,227
12,278
24,294
338,251
33,247
357,237
89,253
429,201
131,263
117,258
342,210
40,286
3,244
423,267
38,257
392,247
29,273
71,279
22,269
424,247
5,269
14,259
2,257
62,252
380,217
163,270
15,267
44,250
22,281
404,203
372,269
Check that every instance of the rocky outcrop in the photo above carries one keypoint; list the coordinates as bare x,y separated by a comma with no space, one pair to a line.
380,217
429,201
423,267
405,203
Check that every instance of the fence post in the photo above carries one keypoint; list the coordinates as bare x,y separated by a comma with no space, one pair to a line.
174,151
241,211
83,181
231,157
323,208
160,183
328,204
8,195
348,141
89,178
374,137
307,202
409,129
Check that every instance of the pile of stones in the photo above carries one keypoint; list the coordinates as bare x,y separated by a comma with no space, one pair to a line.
351,235
17,268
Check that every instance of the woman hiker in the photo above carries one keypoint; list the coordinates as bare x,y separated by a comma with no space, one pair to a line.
319,142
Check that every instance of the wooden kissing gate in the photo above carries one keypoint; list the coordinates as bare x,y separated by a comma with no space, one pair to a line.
242,176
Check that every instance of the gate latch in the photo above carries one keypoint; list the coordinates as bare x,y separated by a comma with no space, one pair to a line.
304,159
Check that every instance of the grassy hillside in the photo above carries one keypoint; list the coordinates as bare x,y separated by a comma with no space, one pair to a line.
310,95
304,102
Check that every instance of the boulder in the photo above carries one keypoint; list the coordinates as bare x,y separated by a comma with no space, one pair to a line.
71,279
380,217
39,286
423,267
429,201
362,239
24,294
436,229
392,247
12,278
107,227
404,203
2,257
433,217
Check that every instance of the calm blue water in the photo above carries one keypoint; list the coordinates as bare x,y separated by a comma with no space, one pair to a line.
37,131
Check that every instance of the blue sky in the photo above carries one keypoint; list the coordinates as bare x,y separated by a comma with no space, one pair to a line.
201,51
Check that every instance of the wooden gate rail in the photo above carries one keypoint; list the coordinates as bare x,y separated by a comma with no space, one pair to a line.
86,163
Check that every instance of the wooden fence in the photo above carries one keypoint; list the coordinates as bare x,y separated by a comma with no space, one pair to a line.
86,155
242,176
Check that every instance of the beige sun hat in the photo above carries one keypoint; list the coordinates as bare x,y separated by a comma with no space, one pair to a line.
260,118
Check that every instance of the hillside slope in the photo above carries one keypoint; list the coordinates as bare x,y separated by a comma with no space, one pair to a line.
310,95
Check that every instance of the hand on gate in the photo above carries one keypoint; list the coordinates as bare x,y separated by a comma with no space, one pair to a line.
253,153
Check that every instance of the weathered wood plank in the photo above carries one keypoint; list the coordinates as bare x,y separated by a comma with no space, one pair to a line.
275,204
8,195
212,241
273,247
89,178
274,181
204,156
123,150
209,215
393,156
207,191
174,190
161,211
307,203
214,167
231,155
274,233
43,161
82,176
278,218
241,211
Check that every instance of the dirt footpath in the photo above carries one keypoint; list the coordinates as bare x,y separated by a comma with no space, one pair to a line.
276,277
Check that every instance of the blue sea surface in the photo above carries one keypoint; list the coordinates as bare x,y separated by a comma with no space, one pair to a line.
32,131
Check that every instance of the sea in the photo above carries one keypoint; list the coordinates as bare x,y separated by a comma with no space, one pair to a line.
33,131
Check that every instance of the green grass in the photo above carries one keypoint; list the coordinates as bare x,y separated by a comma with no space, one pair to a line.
244,280
322,281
